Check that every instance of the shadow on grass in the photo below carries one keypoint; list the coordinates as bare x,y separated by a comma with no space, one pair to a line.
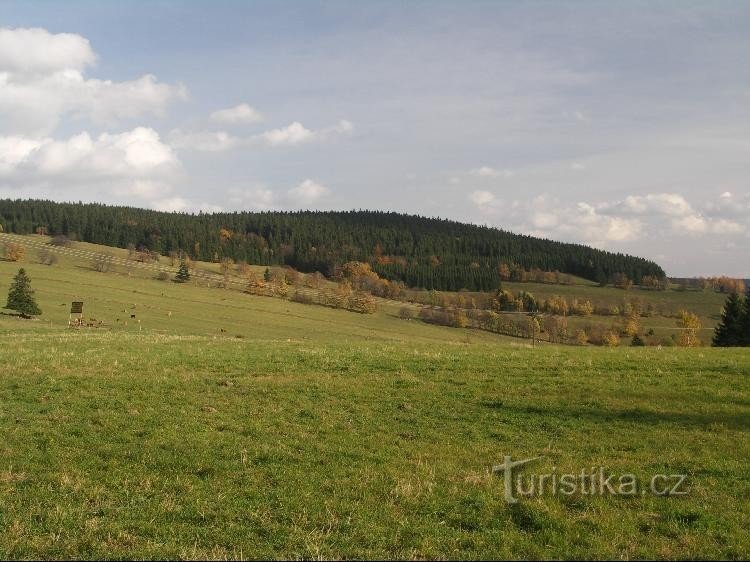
11,314
732,420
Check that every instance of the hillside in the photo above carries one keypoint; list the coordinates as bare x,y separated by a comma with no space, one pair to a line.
421,252
201,308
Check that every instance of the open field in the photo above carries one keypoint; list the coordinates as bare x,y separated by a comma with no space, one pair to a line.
244,427
143,446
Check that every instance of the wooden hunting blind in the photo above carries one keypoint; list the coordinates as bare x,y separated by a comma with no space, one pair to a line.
76,314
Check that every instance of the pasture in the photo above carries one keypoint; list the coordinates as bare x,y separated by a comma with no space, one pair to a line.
247,427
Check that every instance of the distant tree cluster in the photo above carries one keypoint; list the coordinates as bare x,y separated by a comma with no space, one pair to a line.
412,250
734,328
722,284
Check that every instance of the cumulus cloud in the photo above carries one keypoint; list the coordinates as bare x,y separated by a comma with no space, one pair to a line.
291,135
134,154
296,133
308,192
481,198
125,167
42,80
37,50
261,197
632,218
239,114
489,172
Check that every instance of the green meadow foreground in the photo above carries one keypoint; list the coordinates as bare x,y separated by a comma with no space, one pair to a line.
148,446
225,425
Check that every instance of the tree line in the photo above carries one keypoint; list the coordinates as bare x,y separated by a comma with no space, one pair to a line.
431,253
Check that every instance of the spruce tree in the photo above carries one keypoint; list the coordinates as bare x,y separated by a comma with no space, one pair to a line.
729,331
745,321
21,296
183,274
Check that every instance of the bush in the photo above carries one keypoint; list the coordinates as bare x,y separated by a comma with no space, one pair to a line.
405,313
301,297
47,258
611,339
102,263
60,240
581,337
163,276
15,252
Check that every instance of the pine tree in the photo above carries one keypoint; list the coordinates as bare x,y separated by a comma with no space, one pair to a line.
183,274
728,332
745,321
21,296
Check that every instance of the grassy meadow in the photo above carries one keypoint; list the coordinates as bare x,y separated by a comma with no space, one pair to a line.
225,425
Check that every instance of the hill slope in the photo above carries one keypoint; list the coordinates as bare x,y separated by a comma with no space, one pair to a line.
422,252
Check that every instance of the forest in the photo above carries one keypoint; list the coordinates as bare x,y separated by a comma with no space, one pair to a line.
430,253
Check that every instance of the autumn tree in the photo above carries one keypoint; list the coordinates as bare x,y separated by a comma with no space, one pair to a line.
691,325
556,328
621,281
15,252
21,296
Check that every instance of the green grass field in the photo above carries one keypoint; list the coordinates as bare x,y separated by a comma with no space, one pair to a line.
251,427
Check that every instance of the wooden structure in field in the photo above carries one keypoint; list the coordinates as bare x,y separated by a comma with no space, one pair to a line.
75,320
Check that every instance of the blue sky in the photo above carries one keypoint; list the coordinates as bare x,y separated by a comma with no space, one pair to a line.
621,125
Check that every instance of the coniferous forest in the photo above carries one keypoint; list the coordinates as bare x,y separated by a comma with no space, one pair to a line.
422,252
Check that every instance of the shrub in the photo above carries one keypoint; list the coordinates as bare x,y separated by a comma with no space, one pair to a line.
581,337
47,258
405,313
15,252
611,339
60,240
102,263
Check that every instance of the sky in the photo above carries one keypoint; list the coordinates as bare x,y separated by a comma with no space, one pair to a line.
622,125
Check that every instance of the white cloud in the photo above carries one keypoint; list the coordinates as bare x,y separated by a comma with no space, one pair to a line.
135,163
308,192
239,114
38,90
37,50
182,205
694,224
261,197
481,198
296,133
291,135
669,204
489,172
636,217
